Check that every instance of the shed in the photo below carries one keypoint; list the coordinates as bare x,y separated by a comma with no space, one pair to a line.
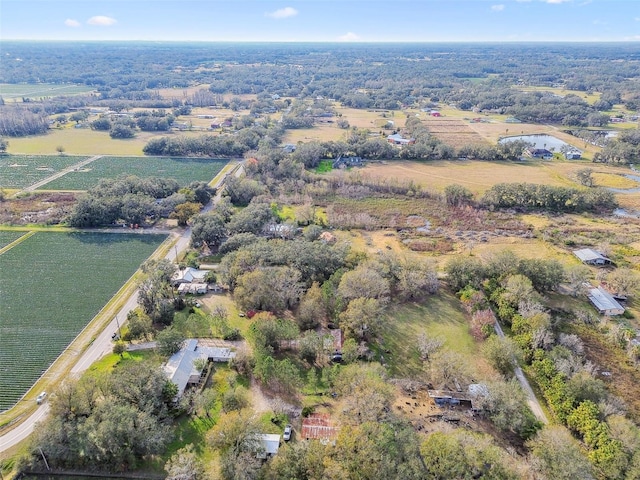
269,443
318,426
591,257
604,302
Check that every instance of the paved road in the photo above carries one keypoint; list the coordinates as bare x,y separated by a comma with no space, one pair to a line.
103,345
533,402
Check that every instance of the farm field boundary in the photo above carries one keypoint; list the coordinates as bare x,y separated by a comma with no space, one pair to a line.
47,314
20,171
183,170
16,242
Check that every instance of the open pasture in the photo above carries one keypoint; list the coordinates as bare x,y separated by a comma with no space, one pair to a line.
16,92
184,170
479,176
19,171
51,286
440,315
79,141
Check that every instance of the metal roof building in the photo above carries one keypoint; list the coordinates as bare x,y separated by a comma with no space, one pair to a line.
604,302
591,257
180,368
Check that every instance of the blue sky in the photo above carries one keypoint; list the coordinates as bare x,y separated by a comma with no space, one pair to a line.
322,20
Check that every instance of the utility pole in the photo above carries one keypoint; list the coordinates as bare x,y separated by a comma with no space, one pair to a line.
44,458
118,324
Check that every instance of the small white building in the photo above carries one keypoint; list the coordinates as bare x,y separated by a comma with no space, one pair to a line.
269,443
604,302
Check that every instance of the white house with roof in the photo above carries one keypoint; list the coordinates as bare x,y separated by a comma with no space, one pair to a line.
182,368
604,302
189,275
591,257
398,139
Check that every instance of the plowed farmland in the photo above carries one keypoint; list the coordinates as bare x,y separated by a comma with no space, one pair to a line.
453,131
51,286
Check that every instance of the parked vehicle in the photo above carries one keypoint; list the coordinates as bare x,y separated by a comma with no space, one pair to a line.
41,398
287,433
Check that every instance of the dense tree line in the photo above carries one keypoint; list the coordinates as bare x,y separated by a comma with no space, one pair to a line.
19,122
557,363
133,200
108,423
361,76
623,149
531,196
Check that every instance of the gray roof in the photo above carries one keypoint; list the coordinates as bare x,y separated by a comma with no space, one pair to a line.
180,367
603,300
270,442
589,255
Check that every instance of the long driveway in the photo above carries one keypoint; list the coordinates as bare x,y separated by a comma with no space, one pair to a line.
533,402
102,345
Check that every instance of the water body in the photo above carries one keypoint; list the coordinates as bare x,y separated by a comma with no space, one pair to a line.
549,142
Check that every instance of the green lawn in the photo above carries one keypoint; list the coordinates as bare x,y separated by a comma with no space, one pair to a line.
51,286
440,315
19,171
184,170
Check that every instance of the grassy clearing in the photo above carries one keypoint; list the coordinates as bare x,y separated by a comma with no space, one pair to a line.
611,180
440,315
184,170
19,171
107,363
42,311
325,166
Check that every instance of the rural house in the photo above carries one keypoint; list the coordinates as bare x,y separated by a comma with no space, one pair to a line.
344,162
398,139
604,302
591,257
534,152
189,275
182,369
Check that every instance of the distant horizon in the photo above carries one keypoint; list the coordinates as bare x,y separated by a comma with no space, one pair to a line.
334,42
323,21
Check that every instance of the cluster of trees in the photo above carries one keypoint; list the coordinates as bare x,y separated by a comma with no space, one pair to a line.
133,200
576,397
531,196
19,122
111,423
381,76
623,149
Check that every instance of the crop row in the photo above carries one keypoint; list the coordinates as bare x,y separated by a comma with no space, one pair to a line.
51,286
183,170
19,171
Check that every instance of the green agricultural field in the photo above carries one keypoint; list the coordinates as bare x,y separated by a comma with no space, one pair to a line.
19,171
7,237
15,92
184,170
51,286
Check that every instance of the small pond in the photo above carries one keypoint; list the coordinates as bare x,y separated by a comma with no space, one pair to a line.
549,142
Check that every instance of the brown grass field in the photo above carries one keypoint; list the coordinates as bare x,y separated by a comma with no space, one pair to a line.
479,176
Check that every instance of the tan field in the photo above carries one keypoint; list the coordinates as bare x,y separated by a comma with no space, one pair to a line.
479,176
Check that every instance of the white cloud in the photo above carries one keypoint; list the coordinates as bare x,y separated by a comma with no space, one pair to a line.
557,1
497,8
349,37
70,22
102,21
637,19
285,12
